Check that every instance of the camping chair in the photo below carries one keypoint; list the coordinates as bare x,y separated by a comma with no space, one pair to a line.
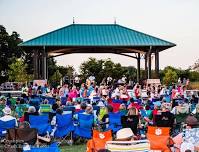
40,123
26,135
69,109
84,127
133,124
63,100
128,146
159,138
114,122
45,108
4,125
64,126
98,141
51,148
51,100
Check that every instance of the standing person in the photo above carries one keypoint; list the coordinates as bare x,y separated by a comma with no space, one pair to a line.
173,92
63,92
137,92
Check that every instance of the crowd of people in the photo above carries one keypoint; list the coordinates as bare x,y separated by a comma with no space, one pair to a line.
139,106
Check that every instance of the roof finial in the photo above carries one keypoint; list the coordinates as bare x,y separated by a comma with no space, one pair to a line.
73,20
115,20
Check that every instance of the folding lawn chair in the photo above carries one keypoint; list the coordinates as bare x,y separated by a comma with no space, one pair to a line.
64,126
128,146
114,122
159,138
98,140
40,123
5,125
84,127
45,108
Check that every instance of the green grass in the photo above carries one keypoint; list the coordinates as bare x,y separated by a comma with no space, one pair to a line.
73,148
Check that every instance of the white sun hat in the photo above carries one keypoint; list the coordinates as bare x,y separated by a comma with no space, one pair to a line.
7,111
124,133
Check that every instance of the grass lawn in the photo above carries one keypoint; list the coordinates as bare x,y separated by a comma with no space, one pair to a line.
73,148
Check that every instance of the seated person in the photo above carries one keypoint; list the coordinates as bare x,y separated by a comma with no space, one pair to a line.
131,120
124,134
40,139
7,116
191,122
31,111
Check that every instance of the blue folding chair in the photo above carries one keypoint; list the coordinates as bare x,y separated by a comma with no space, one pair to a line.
87,100
114,122
40,123
69,109
64,126
52,148
84,126
4,125
35,102
51,100
117,101
63,100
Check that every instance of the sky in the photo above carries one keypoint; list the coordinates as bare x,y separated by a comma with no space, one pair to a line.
174,20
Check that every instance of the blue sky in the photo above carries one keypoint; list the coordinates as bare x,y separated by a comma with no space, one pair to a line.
173,20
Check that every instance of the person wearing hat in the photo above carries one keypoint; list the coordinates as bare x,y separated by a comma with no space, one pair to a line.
7,116
124,134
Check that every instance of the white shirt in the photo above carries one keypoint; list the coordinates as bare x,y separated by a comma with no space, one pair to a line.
8,118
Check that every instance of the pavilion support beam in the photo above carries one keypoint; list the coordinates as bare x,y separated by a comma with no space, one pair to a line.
157,64
138,68
146,66
149,62
35,61
44,64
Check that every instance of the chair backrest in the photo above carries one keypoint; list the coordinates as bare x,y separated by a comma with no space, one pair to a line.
38,120
63,100
45,108
99,140
114,121
26,135
4,125
159,138
64,120
40,123
85,120
69,108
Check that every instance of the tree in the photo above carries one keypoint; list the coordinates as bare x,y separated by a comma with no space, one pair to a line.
17,71
9,51
55,78
170,77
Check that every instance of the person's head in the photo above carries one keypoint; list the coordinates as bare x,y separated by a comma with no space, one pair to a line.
22,101
83,106
122,107
89,109
31,109
55,106
59,111
24,125
7,111
109,108
132,100
147,107
132,111
125,134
